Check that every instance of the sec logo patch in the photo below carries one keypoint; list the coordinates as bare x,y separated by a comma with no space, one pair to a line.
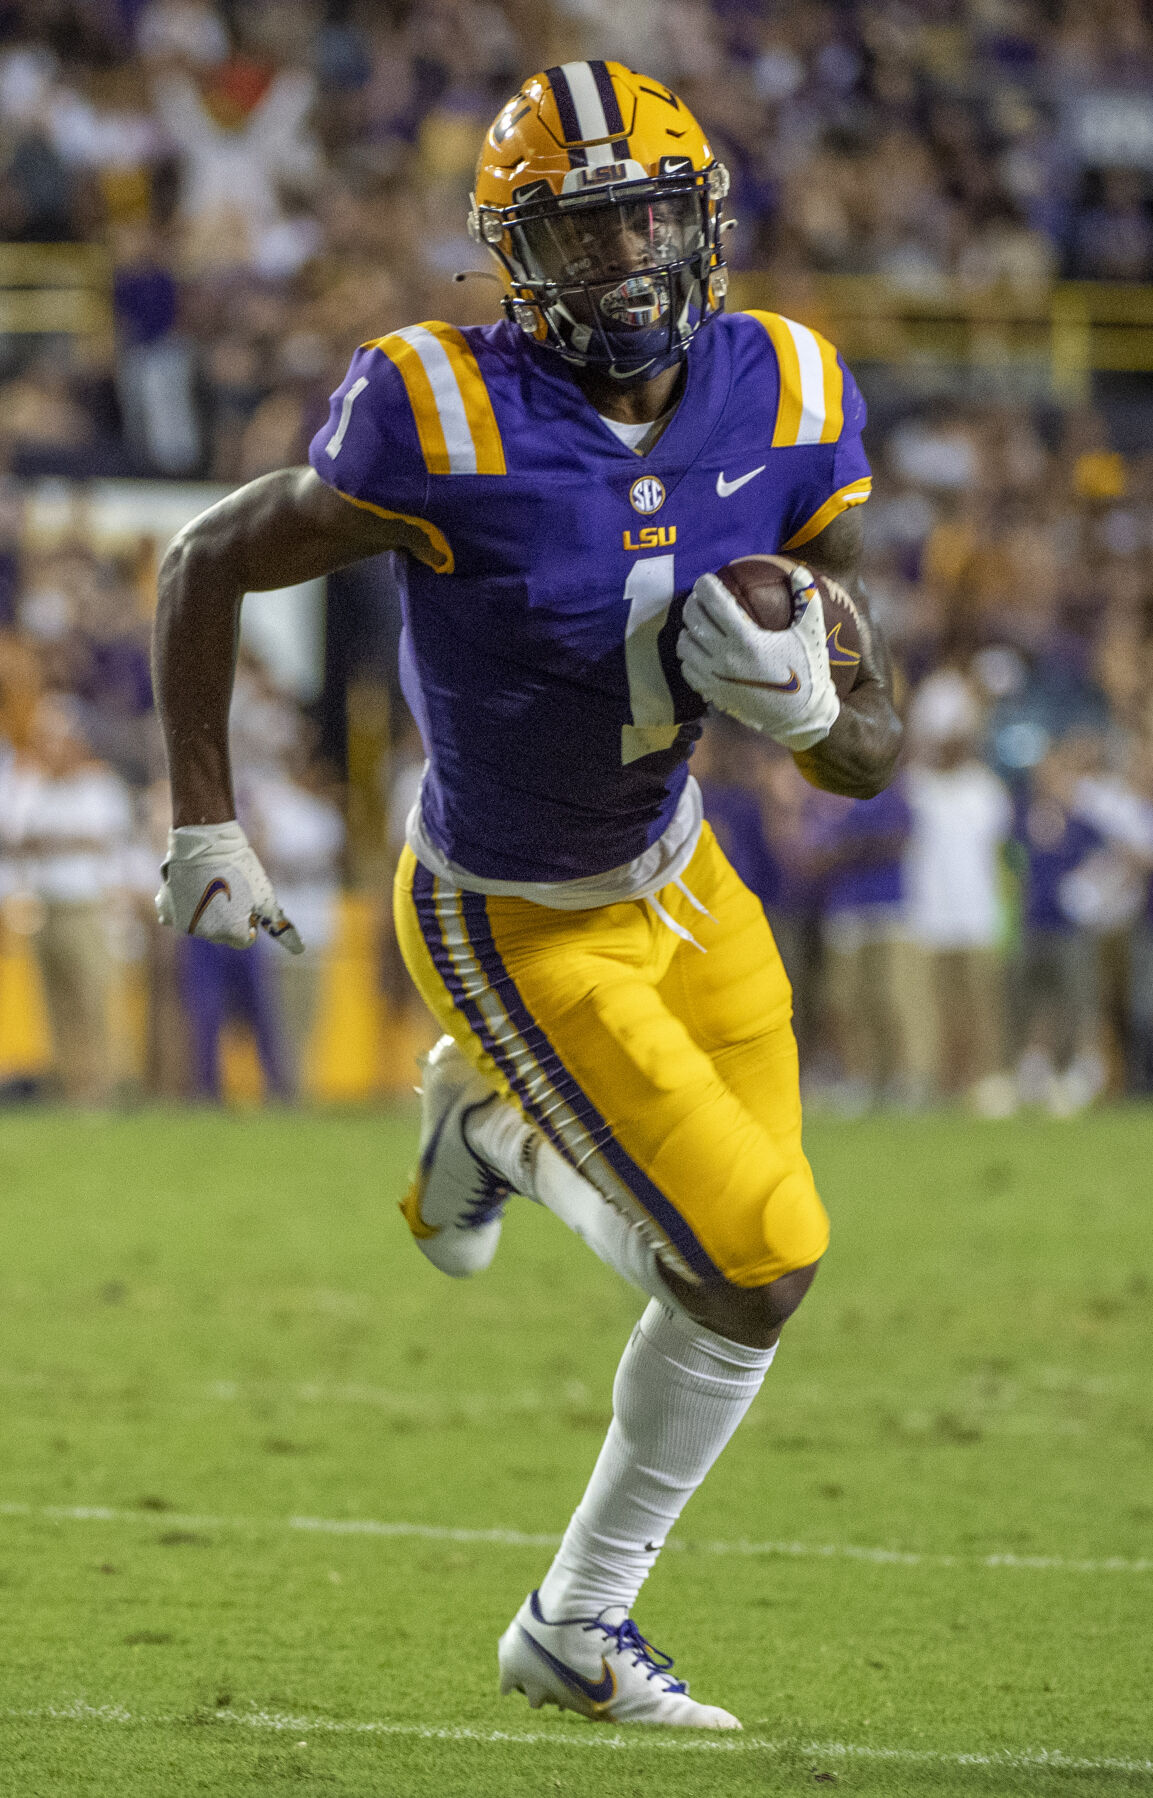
647,495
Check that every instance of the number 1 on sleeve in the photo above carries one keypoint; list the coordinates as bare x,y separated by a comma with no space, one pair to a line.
332,447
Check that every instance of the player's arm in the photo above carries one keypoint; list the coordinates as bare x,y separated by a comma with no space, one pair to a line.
277,531
859,754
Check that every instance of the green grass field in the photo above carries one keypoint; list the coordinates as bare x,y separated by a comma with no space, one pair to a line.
925,1565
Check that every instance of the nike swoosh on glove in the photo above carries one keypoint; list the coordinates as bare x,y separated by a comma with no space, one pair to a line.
212,885
776,681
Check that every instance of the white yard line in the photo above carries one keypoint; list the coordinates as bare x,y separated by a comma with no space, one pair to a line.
1017,1759
479,1407
508,1538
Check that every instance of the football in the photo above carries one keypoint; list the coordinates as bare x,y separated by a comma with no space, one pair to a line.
760,586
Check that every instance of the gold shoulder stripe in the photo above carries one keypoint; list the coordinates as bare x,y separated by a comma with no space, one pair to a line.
420,397
454,416
789,400
855,494
487,445
834,387
440,557
810,406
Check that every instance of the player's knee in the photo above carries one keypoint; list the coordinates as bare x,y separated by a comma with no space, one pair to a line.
752,1315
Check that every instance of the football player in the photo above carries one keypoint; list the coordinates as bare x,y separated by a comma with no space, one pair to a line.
560,489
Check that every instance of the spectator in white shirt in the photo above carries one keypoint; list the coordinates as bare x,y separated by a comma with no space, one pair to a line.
299,830
64,820
962,816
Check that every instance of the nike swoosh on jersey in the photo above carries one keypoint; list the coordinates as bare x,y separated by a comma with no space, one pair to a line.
599,1692
724,488
792,685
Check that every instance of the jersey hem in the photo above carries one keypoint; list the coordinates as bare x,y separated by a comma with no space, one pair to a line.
661,863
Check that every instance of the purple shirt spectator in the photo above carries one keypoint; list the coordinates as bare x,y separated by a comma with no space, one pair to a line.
735,816
867,840
1053,845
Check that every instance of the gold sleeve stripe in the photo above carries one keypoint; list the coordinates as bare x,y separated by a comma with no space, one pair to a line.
833,380
440,558
454,417
810,408
789,402
855,494
487,446
420,397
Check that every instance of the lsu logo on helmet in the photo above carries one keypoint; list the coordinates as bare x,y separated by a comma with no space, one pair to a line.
598,193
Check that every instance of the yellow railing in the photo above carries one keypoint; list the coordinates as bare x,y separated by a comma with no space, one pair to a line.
55,287
1066,332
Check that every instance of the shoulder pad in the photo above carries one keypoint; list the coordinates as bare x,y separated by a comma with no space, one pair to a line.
451,408
818,401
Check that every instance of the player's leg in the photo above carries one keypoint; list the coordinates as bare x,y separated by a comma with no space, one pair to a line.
682,1387
562,1009
613,1078
476,1145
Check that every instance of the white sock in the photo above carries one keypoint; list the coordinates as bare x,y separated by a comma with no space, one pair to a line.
679,1393
533,1167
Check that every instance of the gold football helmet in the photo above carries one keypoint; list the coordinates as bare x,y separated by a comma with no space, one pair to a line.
598,193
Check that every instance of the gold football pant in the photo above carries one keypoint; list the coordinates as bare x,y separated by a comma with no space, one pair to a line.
665,1069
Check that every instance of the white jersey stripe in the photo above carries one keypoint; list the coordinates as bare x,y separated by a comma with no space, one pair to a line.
449,401
586,100
812,383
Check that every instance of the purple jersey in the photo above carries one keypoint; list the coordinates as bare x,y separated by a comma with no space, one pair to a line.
539,649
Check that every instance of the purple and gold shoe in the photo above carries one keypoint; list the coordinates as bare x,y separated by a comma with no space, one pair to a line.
601,1667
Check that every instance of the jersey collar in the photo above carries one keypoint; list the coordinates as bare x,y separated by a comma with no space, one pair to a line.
556,399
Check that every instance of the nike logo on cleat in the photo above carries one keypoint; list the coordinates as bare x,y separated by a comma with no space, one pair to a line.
410,1204
724,488
599,1692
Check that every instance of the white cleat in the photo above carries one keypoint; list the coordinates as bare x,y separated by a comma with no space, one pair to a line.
603,1669
455,1203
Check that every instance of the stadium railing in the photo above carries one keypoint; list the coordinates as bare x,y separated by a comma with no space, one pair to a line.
1066,331
55,288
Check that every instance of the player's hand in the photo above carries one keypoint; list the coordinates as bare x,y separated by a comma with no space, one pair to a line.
776,681
212,885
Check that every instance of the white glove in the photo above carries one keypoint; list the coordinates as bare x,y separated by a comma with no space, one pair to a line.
776,681
212,885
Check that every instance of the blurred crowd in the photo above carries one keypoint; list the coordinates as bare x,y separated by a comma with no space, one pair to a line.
84,816
276,180
982,933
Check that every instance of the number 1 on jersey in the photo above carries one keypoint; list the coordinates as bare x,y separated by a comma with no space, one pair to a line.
649,591
333,446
